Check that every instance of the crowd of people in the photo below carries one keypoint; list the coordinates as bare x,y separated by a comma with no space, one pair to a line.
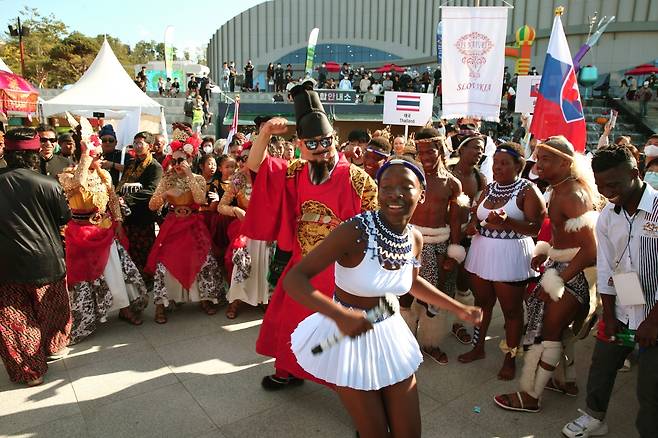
378,238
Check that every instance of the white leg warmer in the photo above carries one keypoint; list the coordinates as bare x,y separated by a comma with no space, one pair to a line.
431,331
411,316
530,362
465,297
550,356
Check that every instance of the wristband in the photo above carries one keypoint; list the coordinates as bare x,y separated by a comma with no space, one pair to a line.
541,248
553,284
457,252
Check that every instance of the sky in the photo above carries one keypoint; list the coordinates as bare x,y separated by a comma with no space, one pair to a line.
135,20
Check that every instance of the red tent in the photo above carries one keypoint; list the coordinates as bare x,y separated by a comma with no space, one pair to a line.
390,67
644,69
17,95
333,67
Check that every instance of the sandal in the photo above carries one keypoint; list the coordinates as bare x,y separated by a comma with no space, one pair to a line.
436,355
232,309
274,383
160,315
208,308
128,316
562,388
505,401
461,333
35,382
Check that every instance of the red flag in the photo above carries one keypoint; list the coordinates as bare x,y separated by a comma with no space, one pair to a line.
558,110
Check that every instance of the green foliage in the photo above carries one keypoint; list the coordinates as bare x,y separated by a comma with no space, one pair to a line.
54,56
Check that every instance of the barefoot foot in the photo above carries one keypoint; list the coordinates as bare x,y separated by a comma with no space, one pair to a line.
474,354
508,370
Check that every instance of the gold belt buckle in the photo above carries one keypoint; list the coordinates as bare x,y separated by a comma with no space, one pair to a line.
96,218
182,211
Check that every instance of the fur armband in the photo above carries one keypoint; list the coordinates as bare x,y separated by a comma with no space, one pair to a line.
541,248
463,200
457,252
553,284
584,220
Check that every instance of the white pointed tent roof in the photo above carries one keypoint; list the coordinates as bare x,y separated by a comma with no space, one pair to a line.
105,86
4,67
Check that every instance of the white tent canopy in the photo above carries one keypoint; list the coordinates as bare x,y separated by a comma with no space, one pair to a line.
106,87
4,66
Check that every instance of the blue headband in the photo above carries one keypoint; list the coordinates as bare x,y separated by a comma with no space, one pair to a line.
512,152
405,163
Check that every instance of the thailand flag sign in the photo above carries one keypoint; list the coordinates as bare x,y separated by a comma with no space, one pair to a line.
407,102
558,110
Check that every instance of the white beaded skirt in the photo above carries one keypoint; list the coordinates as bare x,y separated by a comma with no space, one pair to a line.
501,259
380,357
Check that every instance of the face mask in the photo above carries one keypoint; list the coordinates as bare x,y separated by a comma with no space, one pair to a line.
442,130
207,149
651,178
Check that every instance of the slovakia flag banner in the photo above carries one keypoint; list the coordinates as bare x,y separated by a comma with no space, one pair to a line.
558,110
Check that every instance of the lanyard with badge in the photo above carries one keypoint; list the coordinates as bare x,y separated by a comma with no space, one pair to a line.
628,281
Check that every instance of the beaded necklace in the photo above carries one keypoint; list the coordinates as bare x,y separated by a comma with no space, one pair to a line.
392,249
498,192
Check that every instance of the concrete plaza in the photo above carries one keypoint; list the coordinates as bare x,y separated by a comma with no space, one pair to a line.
199,376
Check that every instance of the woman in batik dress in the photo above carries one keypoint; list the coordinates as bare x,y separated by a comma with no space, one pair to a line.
249,258
101,275
182,261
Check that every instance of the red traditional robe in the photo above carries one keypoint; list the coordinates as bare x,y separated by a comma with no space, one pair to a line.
285,206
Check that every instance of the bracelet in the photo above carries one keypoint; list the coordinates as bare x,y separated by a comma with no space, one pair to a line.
456,252
553,284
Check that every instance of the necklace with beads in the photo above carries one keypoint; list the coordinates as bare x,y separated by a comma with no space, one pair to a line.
392,249
498,193
570,177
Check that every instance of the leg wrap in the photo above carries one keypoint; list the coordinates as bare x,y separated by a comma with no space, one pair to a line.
431,331
476,335
410,316
465,297
531,360
550,356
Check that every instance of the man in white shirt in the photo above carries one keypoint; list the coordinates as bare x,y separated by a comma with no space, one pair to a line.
364,84
627,271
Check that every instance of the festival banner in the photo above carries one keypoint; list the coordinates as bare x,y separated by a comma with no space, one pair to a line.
169,51
234,124
473,61
558,110
410,109
310,50
439,48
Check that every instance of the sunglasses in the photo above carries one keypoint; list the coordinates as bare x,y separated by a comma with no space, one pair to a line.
48,139
324,142
179,160
107,140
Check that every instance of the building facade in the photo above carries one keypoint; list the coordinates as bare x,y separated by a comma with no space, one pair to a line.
375,32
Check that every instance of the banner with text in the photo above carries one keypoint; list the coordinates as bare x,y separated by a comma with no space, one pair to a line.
473,44
401,108
527,90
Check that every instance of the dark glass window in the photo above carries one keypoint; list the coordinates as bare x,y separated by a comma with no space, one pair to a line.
338,53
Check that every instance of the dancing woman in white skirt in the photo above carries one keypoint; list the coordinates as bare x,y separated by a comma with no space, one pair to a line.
375,253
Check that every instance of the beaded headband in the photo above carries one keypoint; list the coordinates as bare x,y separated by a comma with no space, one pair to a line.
469,138
553,150
405,163
507,150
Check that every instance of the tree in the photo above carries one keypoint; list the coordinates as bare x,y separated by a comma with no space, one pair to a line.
45,33
71,57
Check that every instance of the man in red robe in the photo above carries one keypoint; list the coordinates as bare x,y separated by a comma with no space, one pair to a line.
298,203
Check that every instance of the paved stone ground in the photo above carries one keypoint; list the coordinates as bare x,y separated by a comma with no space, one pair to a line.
198,376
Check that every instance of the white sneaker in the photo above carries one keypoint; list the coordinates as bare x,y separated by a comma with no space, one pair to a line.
585,426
